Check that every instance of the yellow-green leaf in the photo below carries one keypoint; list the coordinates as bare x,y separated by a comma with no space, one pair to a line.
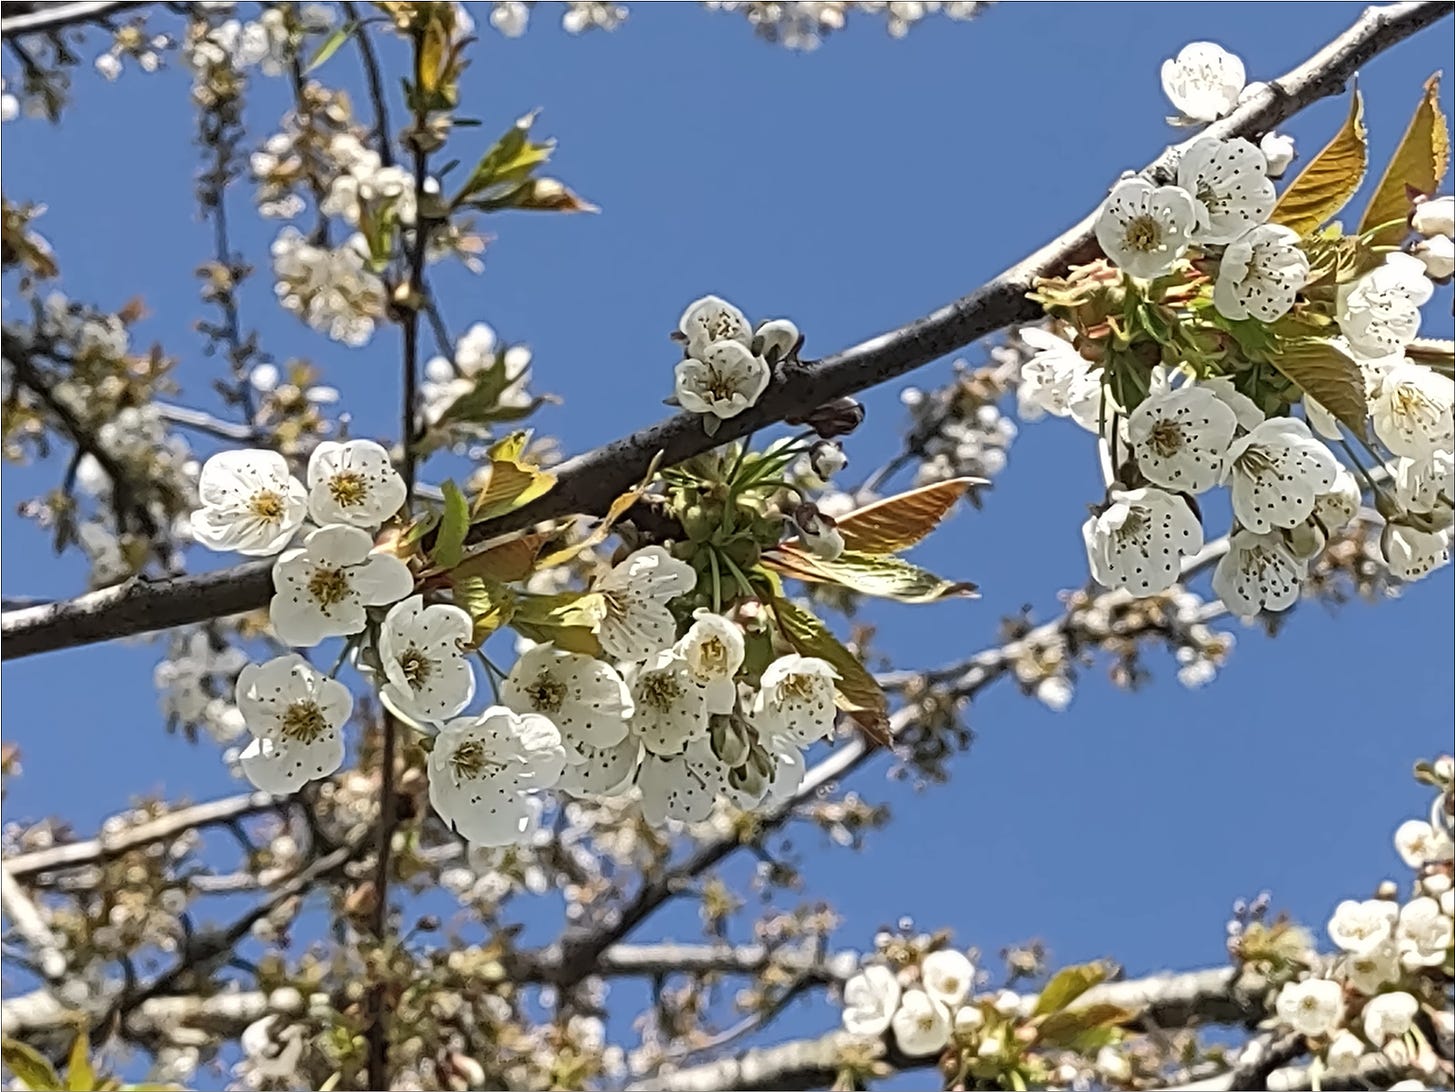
869,574
80,1076
1331,178
1068,984
1069,1027
599,533
1327,374
455,522
856,691
506,164
330,46
511,483
1418,165
567,638
1435,353
30,1065
899,522
490,605
504,562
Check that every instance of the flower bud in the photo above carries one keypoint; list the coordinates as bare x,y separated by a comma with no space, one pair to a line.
748,780
1278,152
776,340
818,532
728,739
1437,255
837,418
827,459
1434,217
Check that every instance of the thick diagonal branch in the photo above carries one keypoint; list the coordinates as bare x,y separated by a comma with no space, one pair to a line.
590,482
49,18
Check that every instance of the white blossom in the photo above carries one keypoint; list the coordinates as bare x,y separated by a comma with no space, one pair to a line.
969,1020
1425,485
483,771
870,1000
1435,217
294,712
1412,410
1057,380
724,381
712,319
1438,255
1413,552
1203,82
681,786
1337,507
1230,186
1137,541
1388,1016
1379,311
826,459
1369,970
775,339
353,483
632,620
1259,572
796,697
1311,1007
1260,274
273,1049
1275,473
1419,844
1143,229
1278,149
713,649
250,503
332,289
1361,926
946,976
1246,411
1180,438
422,650
1423,933
323,586
921,1024
670,706
584,697
1342,1056
510,17
602,771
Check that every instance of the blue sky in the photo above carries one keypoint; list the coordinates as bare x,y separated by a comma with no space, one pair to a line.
852,189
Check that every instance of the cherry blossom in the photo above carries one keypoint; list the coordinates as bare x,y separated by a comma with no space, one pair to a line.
584,697
1143,229
1180,438
1435,217
1362,926
1379,311
1413,552
633,620
1259,572
921,1024
1412,411
294,712
322,587
250,503
797,697
1275,473
421,648
1311,1007
1203,82
1260,274
946,976
1230,186
1138,540
1388,1016
353,483
682,786
712,319
483,771
713,649
723,381
870,1000
670,705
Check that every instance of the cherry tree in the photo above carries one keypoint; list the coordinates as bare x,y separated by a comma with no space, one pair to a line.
454,667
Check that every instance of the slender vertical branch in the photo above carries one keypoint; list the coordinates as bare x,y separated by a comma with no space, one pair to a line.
410,306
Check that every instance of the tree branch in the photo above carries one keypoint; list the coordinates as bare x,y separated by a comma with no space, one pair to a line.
589,483
49,18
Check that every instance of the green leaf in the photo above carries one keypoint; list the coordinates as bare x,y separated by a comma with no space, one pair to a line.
505,562
421,526
856,691
512,484
508,163
1068,984
1435,353
1418,165
1331,178
330,46
489,604
566,620
567,638
899,522
80,1076
868,574
30,1065
1072,1028
1327,374
450,542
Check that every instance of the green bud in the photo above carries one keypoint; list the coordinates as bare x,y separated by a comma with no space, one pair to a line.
700,521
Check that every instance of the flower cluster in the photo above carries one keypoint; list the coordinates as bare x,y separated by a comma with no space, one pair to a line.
924,1005
1190,348
1394,957
727,363
334,289
480,363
